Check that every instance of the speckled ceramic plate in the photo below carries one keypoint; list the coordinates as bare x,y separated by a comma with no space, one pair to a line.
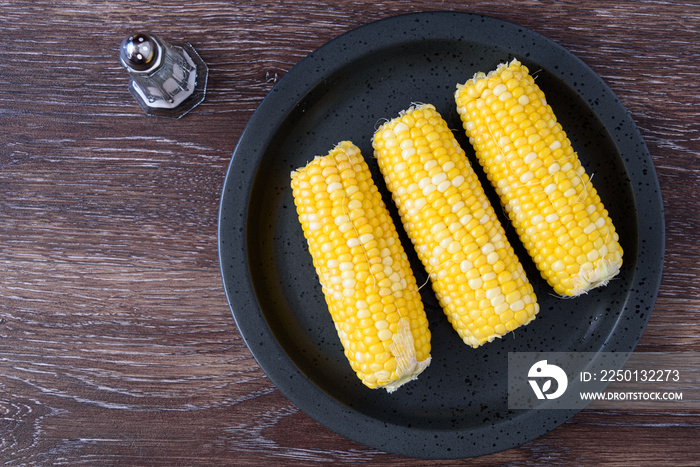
458,406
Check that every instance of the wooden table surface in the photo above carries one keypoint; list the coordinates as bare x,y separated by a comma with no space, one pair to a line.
117,345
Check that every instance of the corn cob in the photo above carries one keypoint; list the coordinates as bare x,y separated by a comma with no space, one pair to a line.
475,273
546,192
363,269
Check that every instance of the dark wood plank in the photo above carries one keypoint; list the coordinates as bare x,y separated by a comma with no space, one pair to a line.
116,342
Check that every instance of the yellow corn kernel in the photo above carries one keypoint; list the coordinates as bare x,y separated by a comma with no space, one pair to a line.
546,192
364,272
453,227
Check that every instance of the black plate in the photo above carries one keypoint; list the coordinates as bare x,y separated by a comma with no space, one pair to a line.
458,406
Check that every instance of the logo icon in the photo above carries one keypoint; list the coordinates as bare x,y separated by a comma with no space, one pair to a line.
544,371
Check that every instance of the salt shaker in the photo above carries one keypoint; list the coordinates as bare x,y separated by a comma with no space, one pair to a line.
166,80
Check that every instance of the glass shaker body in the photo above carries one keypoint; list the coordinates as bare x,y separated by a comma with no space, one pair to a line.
165,79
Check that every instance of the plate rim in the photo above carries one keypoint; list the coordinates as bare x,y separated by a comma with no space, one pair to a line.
282,368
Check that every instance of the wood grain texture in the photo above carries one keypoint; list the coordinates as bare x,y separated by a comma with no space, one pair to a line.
116,342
